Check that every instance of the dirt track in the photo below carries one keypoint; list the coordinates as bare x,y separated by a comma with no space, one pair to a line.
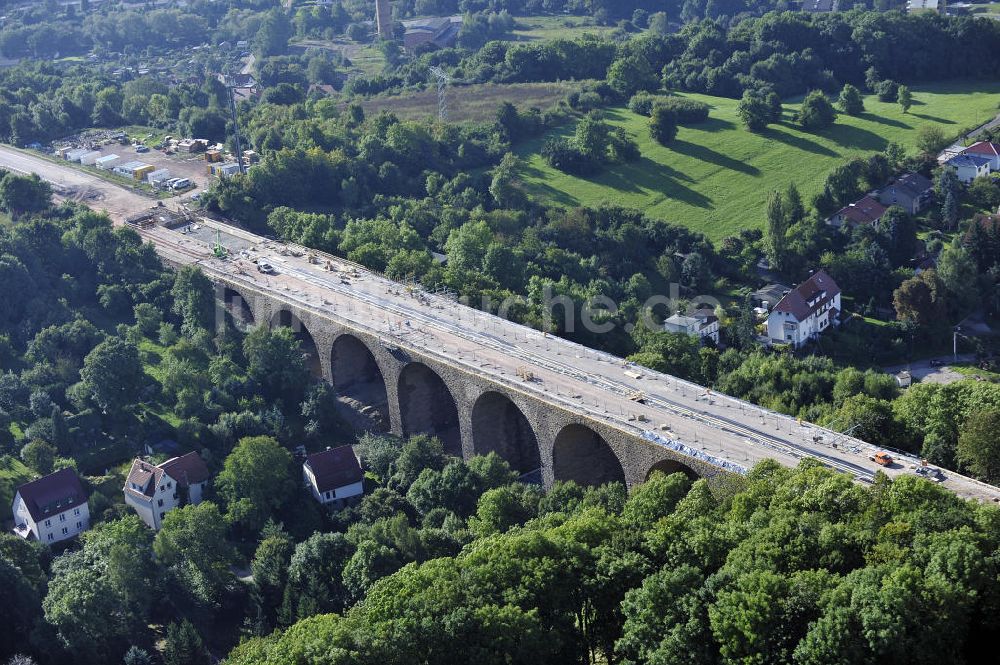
73,184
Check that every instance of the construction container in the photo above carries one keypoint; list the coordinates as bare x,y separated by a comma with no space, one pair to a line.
90,158
158,177
227,169
75,154
144,170
106,162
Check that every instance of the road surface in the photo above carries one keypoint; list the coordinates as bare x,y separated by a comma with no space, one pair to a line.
595,384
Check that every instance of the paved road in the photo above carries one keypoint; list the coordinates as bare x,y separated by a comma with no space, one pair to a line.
675,413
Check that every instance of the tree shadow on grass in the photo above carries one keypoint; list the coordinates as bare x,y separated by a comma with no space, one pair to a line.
711,125
871,117
856,137
705,154
799,142
538,184
647,176
932,118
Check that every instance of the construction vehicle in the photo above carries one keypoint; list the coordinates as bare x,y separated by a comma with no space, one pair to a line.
637,396
882,458
218,249
525,374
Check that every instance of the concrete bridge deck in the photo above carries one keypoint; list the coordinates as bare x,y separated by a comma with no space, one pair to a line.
501,376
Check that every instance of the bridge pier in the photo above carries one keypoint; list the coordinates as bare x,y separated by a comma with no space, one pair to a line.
408,391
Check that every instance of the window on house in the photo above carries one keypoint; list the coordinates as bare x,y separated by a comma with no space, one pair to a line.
161,515
62,517
65,531
48,522
76,511
159,503
79,525
50,536
169,485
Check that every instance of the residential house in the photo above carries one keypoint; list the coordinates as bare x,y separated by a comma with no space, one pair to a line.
986,149
153,491
702,323
969,166
52,508
910,191
769,296
806,311
334,476
866,211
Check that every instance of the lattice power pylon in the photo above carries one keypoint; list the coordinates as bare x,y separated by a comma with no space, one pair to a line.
442,85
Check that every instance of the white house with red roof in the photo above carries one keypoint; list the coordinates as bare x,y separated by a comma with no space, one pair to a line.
334,476
806,311
52,508
153,491
986,149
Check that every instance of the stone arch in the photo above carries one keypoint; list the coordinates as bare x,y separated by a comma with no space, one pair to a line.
581,454
238,308
499,426
285,318
426,406
669,466
359,383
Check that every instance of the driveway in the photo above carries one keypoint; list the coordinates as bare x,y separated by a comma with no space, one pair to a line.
922,370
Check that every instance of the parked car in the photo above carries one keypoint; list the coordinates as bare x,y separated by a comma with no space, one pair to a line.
141,148
930,473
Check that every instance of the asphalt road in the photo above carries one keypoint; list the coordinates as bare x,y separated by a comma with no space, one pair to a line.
675,414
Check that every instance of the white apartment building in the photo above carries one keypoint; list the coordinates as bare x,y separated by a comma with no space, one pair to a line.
52,508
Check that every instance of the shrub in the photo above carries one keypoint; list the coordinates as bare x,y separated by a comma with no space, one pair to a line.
663,125
851,101
642,103
816,111
565,156
687,111
887,90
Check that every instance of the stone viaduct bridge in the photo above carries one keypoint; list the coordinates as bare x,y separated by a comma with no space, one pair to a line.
390,386
408,362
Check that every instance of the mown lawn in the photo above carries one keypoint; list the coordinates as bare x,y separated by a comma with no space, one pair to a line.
716,176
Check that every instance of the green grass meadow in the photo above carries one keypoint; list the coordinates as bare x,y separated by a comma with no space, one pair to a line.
715,177
542,28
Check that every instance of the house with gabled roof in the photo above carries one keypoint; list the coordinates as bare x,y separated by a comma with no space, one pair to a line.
866,211
806,311
910,191
52,508
334,476
986,149
153,491
969,166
